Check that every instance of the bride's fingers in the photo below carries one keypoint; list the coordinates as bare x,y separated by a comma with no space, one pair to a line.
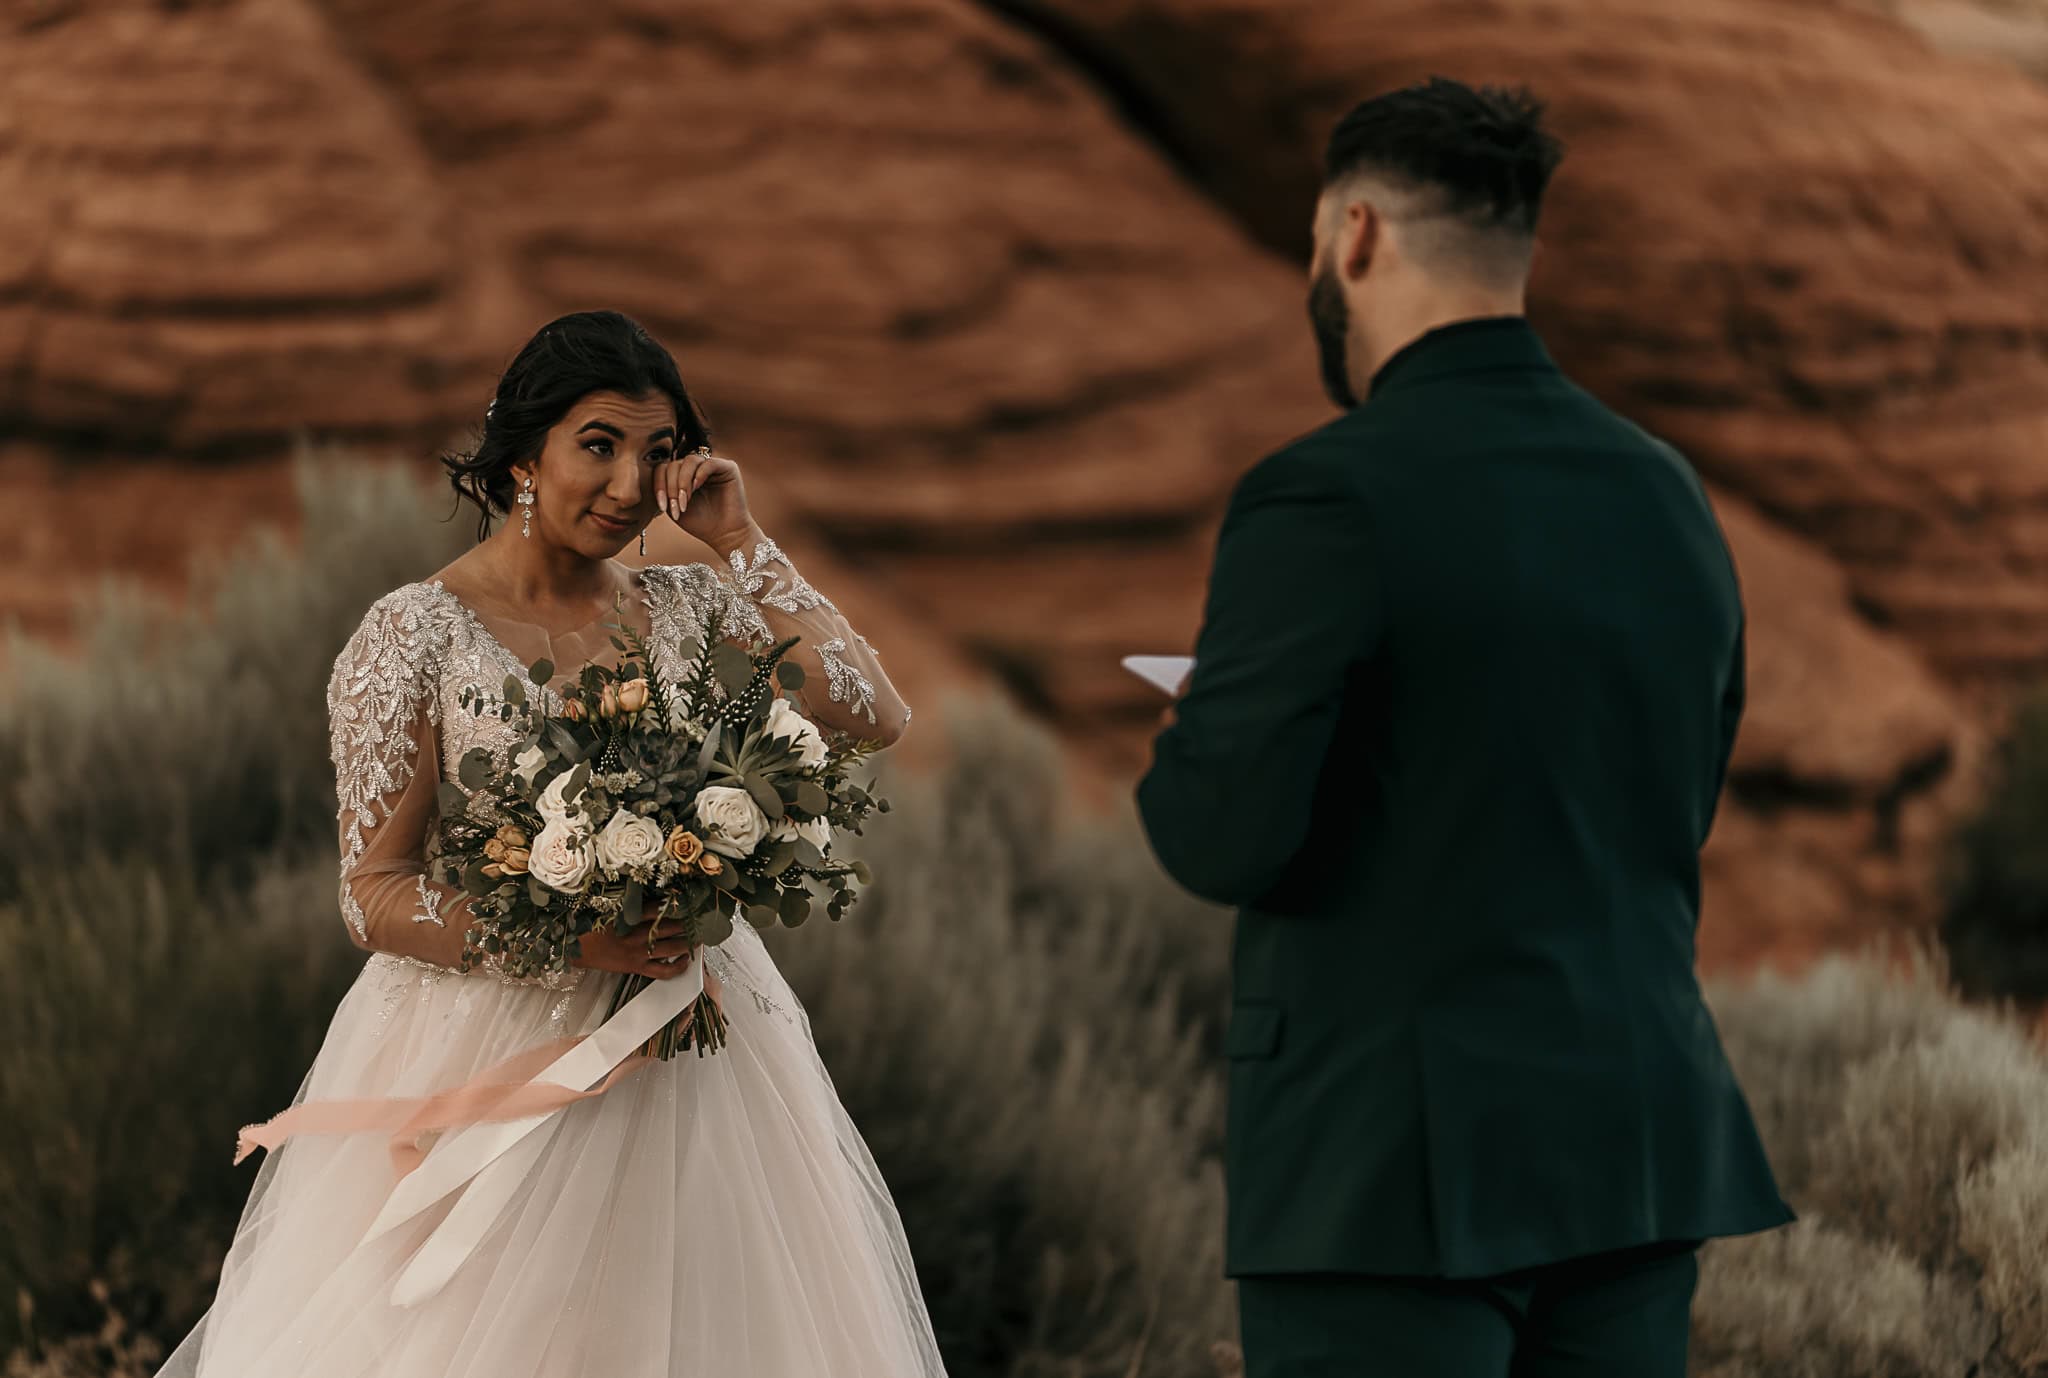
674,475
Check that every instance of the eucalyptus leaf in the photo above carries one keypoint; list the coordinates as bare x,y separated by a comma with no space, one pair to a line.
778,858
475,768
541,896
790,675
515,692
862,874
727,879
761,916
812,799
541,671
733,666
451,798
808,856
714,927
795,907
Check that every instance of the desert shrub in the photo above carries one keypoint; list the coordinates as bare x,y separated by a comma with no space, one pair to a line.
1911,1132
1023,1017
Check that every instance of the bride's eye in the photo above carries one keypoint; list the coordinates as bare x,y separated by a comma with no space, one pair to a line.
661,457
601,448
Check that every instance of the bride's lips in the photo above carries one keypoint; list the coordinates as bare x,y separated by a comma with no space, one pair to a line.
615,526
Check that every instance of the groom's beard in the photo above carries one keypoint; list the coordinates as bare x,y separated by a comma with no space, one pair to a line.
1330,316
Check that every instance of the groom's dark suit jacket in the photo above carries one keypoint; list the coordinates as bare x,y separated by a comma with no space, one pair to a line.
1462,706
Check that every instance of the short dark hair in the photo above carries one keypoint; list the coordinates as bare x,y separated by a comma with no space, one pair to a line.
568,358
1484,150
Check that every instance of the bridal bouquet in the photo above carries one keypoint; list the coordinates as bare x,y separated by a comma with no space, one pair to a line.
709,796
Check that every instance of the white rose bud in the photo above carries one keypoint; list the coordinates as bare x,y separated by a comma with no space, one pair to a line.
785,721
628,841
553,802
527,764
815,831
561,858
733,822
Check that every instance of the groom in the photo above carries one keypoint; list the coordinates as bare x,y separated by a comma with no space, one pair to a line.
1461,708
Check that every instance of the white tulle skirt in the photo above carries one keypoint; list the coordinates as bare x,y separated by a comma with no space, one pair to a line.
712,1217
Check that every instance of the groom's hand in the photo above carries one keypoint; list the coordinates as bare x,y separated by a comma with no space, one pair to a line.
1172,713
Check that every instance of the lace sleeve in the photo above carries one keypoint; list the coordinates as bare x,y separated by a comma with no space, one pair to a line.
381,710
766,590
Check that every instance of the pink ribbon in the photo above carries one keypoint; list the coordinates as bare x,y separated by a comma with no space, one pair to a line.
503,1091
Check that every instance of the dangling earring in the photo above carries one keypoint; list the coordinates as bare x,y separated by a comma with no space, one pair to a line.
526,501
643,540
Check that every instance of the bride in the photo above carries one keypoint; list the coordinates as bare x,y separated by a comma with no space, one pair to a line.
714,1216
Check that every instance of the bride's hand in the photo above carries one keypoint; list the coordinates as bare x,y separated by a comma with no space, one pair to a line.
630,952
703,494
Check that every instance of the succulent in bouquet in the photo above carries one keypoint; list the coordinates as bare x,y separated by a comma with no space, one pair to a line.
696,799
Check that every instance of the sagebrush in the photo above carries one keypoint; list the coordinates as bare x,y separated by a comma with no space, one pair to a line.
1024,1017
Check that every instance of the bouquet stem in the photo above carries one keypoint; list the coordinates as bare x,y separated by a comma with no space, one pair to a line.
701,1027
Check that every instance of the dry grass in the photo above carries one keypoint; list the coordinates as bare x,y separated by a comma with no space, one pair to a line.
1024,1018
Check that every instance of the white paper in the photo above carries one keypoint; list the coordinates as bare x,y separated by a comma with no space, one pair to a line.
1167,672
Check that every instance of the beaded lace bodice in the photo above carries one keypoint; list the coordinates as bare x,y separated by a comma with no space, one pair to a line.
399,724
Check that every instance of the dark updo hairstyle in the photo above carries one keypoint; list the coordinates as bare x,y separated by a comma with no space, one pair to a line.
570,358
1484,150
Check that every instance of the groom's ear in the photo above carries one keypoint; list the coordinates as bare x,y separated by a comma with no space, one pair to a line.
1360,239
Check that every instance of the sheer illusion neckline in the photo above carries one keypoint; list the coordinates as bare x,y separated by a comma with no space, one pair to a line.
505,653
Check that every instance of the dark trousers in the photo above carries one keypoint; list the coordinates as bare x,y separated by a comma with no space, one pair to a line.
1618,1315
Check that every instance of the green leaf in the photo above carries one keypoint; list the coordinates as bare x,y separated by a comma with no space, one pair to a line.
761,916
541,671
862,874
778,858
538,893
727,879
808,856
451,799
733,666
709,751
631,902
790,675
812,799
795,907
714,926
515,692
764,794
475,769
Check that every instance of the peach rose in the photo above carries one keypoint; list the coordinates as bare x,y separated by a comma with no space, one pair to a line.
710,865
683,846
632,696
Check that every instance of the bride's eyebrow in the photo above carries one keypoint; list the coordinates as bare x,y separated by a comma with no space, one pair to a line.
663,433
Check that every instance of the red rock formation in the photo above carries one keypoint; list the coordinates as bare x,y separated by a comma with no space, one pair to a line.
994,302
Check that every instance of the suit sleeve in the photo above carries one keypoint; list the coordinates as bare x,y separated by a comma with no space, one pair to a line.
1734,694
1292,609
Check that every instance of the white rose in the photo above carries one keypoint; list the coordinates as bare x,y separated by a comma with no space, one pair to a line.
785,721
733,822
561,858
527,763
554,804
628,841
815,831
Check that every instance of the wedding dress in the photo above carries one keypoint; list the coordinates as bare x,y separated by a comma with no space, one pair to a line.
716,1217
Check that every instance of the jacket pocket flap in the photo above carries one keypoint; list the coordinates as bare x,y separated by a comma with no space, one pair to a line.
1254,1030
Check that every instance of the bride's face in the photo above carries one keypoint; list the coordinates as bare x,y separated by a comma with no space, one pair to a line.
594,481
